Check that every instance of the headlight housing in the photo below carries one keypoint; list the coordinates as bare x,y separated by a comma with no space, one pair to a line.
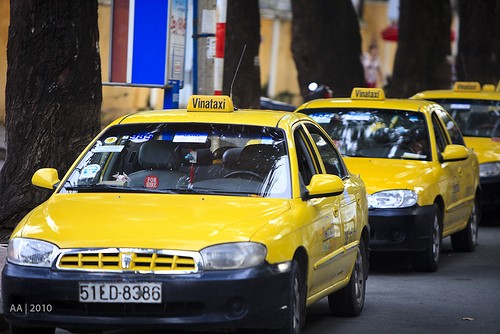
390,199
489,169
236,255
31,252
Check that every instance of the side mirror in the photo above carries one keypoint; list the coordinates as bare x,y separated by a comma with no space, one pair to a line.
455,153
46,178
324,185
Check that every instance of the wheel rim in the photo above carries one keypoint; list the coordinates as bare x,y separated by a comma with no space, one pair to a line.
436,239
296,305
359,278
473,224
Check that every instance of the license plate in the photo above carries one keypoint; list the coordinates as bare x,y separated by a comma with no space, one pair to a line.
119,292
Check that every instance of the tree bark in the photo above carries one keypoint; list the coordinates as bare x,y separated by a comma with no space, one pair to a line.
423,56
242,34
326,45
478,55
53,95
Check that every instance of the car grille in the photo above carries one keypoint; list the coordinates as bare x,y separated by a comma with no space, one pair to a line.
136,260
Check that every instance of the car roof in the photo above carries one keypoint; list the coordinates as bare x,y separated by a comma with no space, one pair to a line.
256,117
461,90
367,102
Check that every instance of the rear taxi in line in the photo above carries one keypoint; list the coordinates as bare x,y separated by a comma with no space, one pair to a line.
208,217
476,110
422,181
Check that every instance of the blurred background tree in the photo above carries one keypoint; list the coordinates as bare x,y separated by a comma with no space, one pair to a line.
53,95
326,45
422,58
243,33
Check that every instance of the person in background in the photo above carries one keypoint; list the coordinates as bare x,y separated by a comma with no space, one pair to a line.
371,64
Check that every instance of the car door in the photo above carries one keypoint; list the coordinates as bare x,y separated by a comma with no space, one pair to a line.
350,200
323,214
469,168
451,180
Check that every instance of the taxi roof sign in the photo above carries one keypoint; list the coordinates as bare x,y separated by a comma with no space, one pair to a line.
360,93
488,88
211,103
467,86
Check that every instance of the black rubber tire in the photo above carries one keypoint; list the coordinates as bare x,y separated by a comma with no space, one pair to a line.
350,300
466,240
428,260
296,303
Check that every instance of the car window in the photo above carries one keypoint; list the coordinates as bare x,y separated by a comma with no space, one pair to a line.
305,160
452,127
475,118
207,158
329,156
375,133
439,134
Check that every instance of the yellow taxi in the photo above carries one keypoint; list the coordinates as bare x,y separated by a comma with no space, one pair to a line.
476,110
208,217
422,181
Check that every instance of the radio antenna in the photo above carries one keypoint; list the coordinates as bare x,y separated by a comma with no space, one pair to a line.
236,72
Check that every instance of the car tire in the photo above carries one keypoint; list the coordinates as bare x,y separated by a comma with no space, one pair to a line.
31,330
296,302
350,300
466,240
428,260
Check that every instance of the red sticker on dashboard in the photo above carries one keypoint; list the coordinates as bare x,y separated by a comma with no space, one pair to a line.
151,182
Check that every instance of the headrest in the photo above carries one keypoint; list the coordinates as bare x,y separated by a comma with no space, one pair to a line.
219,152
159,154
231,158
259,157
204,156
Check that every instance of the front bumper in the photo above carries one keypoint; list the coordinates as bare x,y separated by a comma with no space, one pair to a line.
247,298
405,229
490,194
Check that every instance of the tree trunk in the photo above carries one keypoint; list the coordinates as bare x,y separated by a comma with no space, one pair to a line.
53,95
422,58
326,45
242,34
478,58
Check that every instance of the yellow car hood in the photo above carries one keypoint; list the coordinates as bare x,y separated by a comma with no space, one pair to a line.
486,149
183,222
385,174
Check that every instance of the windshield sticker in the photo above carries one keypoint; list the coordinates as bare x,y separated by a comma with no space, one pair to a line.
166,136
267,140
110,140
321,117
460,106
151,182
355,117
108,149
190,138
90,171
141,137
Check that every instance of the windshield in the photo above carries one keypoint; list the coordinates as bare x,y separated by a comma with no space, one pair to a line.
475,118
219,159
384,133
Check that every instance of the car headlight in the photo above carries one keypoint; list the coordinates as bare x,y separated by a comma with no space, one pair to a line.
236,255
489,169
31,252
393,199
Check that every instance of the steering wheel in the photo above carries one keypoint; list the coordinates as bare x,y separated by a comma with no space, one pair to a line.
248,173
